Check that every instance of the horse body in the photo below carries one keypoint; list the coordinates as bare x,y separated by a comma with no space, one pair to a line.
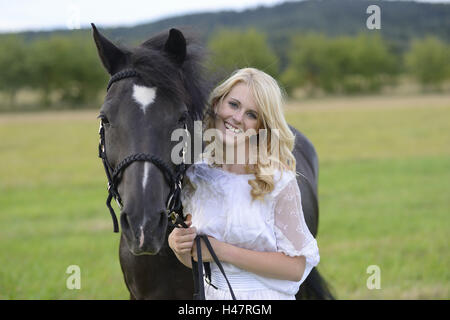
137,115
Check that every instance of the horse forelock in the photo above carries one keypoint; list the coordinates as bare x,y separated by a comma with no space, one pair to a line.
184,83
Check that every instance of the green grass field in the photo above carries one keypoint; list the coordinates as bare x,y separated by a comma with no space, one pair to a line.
383,192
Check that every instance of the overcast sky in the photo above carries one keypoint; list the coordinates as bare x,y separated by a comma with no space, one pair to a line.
21,15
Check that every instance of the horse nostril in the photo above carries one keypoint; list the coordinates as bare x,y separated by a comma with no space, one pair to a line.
124,221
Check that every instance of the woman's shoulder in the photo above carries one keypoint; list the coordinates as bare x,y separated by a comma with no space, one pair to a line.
282,177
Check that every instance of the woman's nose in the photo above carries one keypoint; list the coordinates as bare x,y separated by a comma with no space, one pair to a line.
238,116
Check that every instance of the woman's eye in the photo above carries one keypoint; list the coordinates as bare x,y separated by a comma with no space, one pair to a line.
233,104
252,115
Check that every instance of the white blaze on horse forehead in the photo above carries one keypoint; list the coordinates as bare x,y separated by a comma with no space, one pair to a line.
141,237
144,96
145,177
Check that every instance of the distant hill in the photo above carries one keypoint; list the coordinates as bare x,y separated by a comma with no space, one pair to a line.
400,21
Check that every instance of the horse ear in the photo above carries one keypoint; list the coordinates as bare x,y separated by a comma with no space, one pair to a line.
176,46
112,57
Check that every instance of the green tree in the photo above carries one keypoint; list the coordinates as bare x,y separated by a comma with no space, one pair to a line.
14,72
371,63
429,61
234,49
343,64
85,74
48,59
68,66
310,64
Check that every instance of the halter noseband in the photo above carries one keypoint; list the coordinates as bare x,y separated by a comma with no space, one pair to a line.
174,180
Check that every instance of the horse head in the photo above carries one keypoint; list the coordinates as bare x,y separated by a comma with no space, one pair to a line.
154,89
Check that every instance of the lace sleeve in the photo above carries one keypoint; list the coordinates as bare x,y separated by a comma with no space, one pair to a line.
292,233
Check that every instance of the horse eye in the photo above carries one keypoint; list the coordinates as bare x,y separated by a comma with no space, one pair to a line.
183,118
103,119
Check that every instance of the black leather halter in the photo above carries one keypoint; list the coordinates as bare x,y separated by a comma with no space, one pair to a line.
174,180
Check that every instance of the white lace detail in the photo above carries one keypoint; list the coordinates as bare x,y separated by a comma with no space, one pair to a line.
292,233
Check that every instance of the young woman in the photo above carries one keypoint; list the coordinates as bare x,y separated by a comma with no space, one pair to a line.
251,209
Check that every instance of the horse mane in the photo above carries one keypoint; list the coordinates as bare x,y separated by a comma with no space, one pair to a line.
185,83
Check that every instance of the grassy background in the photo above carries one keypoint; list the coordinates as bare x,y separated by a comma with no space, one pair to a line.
383,191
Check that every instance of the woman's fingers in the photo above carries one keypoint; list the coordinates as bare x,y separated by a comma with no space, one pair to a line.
186,238
184,231
187,221
182,239
206,255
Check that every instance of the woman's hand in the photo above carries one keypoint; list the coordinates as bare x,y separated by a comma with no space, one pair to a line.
182,239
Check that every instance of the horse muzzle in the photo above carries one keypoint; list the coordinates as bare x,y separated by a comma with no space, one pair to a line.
145,237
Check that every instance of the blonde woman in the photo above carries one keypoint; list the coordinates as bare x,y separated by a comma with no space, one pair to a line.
250,210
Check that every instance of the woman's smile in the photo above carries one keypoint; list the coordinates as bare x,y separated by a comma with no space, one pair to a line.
232,128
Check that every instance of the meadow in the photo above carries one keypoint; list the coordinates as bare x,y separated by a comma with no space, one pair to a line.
384,183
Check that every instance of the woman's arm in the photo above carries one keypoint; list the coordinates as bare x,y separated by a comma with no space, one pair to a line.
268,264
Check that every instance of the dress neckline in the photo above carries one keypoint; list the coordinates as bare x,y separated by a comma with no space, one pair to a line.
247,175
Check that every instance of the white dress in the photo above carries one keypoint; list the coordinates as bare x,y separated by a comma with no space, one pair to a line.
222,207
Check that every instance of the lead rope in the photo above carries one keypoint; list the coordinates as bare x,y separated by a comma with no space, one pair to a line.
197,269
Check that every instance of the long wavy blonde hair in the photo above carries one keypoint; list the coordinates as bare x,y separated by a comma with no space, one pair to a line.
270,101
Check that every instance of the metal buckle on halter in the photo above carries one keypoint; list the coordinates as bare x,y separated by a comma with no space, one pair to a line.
173,217
208,281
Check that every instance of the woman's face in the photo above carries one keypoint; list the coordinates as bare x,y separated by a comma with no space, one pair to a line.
237,113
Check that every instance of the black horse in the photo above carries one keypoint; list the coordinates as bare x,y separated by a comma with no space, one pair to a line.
139,113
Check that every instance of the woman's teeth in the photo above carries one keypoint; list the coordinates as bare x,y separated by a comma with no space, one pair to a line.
230,127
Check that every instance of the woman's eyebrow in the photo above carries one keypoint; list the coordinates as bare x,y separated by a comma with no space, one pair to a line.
236,100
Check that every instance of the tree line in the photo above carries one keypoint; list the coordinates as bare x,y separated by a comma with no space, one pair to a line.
65,70
344,64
